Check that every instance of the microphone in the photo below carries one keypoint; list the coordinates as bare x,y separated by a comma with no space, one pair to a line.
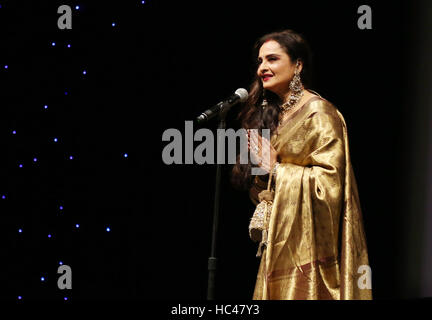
240,95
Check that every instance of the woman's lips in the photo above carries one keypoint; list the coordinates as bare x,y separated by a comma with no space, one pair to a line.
266,78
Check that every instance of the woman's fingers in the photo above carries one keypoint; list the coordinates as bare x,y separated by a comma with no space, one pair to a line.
259,147
257,139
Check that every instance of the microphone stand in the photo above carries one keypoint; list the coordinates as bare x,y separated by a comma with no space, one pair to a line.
212,260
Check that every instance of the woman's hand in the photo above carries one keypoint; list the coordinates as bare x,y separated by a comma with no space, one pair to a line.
262,150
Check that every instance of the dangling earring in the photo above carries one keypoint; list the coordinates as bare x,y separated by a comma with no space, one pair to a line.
264,103
296,85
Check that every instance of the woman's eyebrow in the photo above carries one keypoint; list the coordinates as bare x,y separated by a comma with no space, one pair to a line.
270,55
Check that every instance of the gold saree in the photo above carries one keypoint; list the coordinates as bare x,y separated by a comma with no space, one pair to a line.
316,240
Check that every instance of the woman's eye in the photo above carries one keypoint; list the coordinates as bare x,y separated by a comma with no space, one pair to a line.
269,59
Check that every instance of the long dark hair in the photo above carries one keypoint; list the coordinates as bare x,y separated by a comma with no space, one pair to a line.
252,116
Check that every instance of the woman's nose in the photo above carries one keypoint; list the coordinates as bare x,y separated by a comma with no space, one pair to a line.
262,68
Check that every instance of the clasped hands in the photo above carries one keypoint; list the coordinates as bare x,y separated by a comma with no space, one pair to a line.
261,150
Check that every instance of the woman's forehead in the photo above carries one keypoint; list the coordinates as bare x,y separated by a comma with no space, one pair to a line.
270,46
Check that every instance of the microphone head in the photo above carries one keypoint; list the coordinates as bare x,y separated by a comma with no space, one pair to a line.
242,93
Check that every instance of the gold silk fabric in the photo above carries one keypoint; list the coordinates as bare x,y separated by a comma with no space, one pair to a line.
316,239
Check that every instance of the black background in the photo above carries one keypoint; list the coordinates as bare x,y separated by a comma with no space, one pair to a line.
162,64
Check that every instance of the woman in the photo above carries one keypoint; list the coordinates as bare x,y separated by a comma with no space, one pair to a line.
316,242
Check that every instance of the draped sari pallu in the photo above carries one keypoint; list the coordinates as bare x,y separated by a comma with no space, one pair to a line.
316,239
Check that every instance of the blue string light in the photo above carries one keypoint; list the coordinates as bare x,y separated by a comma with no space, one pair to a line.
55,139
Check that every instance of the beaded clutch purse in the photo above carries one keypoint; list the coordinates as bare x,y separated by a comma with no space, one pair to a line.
259,222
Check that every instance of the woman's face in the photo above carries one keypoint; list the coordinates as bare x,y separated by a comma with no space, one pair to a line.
275,68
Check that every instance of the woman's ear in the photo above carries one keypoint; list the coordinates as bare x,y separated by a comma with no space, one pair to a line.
299,66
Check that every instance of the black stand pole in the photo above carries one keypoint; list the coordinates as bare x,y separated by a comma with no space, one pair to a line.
212,261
